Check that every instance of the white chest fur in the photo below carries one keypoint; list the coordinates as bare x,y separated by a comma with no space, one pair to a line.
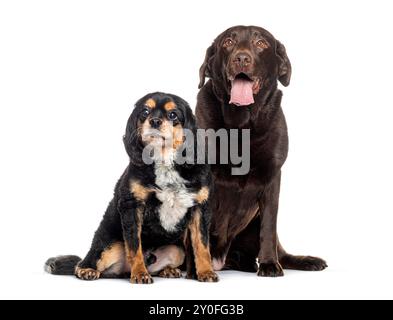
175,198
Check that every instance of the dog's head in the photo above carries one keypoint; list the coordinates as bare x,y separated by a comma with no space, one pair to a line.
158,120
243,61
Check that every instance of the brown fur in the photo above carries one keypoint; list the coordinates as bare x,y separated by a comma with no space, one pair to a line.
244,221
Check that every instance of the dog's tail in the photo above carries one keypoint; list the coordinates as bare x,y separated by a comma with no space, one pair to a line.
62,265
304,263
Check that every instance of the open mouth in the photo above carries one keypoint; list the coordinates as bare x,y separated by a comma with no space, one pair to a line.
243,89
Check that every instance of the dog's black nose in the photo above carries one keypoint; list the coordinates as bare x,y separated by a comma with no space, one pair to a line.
243,59
155,122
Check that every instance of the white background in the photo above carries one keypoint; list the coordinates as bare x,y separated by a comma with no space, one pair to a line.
70,72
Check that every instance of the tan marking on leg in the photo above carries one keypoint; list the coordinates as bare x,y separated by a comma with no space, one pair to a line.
139,273
150,103
189,256
203,261
202,195
113,255
169,106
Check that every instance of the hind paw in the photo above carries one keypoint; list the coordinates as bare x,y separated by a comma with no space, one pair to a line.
87,274
169,272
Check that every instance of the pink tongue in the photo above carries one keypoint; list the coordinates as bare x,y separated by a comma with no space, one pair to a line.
241,93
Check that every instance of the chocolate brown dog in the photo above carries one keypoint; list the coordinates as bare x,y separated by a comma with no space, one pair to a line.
244,65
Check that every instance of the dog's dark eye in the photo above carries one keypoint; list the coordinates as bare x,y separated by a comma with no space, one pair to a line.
261,44
228,43
172,116
145,112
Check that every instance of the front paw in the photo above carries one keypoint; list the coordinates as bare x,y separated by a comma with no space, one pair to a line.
141,278
271,269
209,276
87,273
169,272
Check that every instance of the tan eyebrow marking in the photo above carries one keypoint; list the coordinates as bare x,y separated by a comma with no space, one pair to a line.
150,103
169,106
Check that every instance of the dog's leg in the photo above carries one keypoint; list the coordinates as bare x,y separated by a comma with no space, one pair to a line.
190,257
244,250
111,264
269,265
245,247
219,250
199,235
131,213
87,269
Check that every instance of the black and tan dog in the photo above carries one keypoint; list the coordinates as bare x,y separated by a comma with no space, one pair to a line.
244,65
158,208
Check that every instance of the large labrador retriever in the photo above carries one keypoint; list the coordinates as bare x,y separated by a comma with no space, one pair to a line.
244,65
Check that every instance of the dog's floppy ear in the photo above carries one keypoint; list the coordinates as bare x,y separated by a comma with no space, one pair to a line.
189,148
189,118
131,139
190,121
205,69
284,65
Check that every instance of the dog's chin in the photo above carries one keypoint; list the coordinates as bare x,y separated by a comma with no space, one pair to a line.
153,140
157,140
161,149
242,88
152,136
